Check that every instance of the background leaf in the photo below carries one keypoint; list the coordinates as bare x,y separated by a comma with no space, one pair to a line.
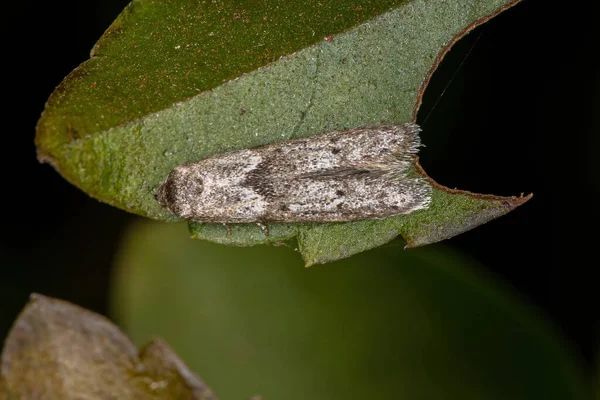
175,82
56,350
385,324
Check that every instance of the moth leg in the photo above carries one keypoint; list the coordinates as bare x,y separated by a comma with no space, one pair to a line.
264,228
228,228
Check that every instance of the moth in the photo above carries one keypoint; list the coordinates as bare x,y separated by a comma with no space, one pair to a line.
338,176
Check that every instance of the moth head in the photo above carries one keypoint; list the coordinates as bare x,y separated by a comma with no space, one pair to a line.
180,191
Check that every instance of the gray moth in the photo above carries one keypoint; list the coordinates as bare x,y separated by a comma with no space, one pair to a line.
338,176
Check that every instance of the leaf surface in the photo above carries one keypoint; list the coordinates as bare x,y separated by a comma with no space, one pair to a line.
175,82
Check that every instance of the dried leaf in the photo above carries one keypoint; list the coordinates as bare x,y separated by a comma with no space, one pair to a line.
56,350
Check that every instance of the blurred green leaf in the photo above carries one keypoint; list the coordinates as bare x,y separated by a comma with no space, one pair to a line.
175,82
56,350
385,324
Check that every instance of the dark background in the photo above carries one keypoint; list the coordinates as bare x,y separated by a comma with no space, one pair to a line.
519,115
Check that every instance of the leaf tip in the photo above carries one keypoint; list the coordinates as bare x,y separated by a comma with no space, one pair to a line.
517,201
496,207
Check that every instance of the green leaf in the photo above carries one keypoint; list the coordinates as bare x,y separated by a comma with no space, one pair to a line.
385,324
175,82
56,350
